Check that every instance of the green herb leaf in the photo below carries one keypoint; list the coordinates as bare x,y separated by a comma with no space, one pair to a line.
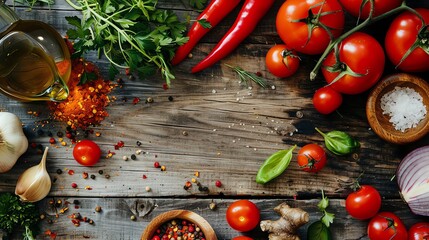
274,165
318,231
204,23
339,143
198,4
245,76
15,214
324,203
328,218
131,34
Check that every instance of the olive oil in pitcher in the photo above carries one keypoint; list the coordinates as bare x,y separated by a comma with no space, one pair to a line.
34,59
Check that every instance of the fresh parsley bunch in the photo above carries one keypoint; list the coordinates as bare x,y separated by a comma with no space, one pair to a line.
132,34
15,214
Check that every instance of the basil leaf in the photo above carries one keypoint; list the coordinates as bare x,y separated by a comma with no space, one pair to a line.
274,165
318,231
339,143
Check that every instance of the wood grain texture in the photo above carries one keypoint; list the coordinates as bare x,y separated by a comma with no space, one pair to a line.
215,125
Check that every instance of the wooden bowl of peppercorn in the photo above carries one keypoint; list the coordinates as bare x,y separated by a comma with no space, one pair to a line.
182,221
397,108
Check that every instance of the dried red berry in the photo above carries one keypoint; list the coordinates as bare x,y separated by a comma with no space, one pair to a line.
74,185
218,183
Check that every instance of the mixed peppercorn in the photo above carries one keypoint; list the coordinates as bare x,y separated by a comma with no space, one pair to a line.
178,229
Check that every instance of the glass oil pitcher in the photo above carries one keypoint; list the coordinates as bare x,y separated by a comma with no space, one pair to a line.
34,59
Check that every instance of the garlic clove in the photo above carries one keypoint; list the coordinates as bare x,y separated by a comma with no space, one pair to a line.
34,183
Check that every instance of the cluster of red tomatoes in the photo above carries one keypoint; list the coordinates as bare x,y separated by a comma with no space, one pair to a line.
365,204
358,60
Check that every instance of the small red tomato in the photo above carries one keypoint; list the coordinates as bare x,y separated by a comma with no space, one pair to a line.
363,203
242,238
281,61
243,215
312,158
419,231
326,100
387,226
87,152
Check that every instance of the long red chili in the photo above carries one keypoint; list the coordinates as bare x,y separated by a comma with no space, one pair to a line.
251,13
213,13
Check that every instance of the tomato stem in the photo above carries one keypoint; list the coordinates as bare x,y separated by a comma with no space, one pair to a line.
367,22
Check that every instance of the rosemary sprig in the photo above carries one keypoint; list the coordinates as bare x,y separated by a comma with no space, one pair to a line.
245,76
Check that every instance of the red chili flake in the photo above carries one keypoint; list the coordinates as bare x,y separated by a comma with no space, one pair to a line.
136,100
127,71
165,86
51,234
74,185
70,172
76,222
156,165
120,144
144,176
218,183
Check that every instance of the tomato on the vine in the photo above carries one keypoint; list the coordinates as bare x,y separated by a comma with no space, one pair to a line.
243,215
387,226
303,25
405,33
312,158
363,203
355,7
326,100
87,152
281,61
419,231
360,66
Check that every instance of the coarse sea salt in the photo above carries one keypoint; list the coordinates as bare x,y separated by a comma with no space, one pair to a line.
404,106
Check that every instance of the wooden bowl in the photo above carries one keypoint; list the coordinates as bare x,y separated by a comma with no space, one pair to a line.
379,122
179,214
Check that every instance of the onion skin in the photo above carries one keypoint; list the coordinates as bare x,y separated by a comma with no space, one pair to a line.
413,180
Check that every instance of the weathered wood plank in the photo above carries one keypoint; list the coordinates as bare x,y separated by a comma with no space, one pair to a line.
114,221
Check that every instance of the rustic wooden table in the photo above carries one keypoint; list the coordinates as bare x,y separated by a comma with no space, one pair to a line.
230,130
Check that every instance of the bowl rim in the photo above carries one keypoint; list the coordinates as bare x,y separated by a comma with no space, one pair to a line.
373,120
179,214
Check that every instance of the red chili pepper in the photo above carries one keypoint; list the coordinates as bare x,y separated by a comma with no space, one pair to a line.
213,14
251,13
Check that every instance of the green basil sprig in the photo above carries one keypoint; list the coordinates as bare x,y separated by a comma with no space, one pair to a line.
274,165
339,143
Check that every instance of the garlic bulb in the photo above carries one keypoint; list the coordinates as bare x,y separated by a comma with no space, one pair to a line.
34,184
13,142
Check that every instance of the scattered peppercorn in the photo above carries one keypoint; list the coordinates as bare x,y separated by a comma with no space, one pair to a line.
149,100
98,209
163,168
212,205
133,217
74,185
92,176
100,171
107,176
52,140
156,165
59,171
218,183
84,175
60,134
75,202
170,98
138,143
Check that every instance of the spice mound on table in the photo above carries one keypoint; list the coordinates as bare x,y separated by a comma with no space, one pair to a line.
87,102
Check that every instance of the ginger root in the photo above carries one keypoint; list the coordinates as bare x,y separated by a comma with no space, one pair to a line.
285,228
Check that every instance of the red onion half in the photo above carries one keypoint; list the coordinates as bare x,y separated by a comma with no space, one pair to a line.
413,180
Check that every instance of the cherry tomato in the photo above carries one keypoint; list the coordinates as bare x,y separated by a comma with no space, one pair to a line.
87,152
281,61
243,215
326,100
296,17
403,32
362,56
363,203
419,231
242,238
312,158
380,7
386,226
